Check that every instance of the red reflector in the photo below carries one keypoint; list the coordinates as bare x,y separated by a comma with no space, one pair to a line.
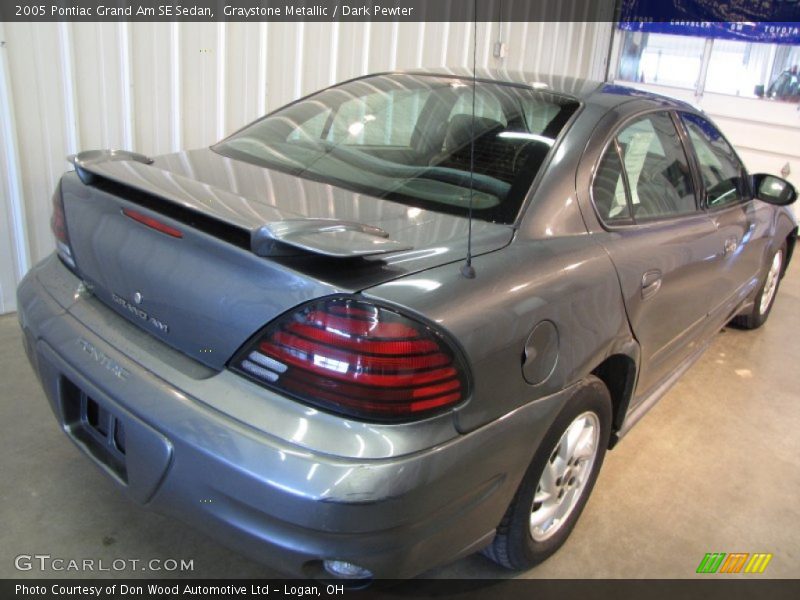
358,359
152,223
58,222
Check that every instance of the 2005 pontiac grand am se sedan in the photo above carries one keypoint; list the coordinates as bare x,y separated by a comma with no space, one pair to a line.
279,340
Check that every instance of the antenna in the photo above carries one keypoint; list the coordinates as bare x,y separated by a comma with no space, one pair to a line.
467,270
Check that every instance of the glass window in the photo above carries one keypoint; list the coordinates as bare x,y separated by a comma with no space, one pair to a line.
783,82
786,86
382,118
608,189
409,138
662,59
723,174
313,128
736,68
487,106
658,172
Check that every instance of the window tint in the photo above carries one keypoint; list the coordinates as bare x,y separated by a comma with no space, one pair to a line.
721,170
539,114
487,106
313,128
413,139
658,171
378,119
608,189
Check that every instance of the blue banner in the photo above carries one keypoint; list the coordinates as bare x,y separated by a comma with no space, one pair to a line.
767,21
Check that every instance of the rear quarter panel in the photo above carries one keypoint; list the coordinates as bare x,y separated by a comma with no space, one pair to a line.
569,281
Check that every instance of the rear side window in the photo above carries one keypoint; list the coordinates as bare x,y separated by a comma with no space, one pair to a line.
658,172
609,193
723,174
644,173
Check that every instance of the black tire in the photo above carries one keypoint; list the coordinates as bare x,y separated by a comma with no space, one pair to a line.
514,546
755,318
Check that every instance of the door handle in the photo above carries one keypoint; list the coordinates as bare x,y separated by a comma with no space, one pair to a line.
730,246
651,283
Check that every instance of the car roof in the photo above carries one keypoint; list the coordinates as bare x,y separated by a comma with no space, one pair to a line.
588,91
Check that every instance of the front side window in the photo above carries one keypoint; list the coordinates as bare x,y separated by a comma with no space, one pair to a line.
409,138
723,174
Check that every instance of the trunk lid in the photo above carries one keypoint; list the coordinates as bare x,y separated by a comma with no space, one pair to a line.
207,292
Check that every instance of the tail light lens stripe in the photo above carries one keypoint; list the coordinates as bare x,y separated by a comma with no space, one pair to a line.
338,340
336,369
355,391
360,327
375,407
365,362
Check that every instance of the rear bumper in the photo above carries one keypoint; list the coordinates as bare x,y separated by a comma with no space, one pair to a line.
275,498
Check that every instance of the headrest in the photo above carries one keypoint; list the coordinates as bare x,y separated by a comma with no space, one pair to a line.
459,130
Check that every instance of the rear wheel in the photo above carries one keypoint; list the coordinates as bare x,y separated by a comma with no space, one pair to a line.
558,482
765,298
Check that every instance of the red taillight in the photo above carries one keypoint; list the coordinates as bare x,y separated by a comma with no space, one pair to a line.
58,224
356,358
151,222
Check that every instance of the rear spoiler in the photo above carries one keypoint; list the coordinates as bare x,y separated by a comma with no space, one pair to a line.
166,192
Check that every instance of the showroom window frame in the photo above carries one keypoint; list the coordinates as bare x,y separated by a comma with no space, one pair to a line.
699,88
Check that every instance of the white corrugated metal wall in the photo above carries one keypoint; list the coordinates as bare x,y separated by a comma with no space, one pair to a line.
160,87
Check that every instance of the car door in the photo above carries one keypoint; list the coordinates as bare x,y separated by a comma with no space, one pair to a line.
728,200
660,242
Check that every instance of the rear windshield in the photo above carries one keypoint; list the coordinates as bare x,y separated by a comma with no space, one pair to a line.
407,138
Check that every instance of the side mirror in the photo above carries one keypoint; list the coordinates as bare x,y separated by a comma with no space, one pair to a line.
774,189
759,91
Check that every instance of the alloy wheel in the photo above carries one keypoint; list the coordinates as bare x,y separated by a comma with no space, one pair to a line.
565,476
771,284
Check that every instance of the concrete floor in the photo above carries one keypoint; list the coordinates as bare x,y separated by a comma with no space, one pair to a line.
714,467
